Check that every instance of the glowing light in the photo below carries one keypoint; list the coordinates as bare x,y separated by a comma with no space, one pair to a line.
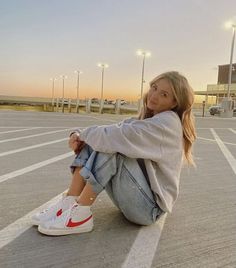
230,24
103,65
141,52
78,72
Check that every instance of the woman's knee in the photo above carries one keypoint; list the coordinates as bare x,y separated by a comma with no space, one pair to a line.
99,170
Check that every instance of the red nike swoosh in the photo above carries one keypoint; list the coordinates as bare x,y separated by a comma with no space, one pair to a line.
78,223
59,212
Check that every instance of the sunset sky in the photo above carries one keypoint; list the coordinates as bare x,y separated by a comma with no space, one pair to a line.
44,39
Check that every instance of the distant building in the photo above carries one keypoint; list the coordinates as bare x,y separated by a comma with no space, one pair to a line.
223,74
218,91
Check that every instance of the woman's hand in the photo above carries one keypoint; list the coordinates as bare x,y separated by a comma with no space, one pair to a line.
75,143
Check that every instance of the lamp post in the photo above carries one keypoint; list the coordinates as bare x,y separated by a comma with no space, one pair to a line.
233,26
103,66
227,102
77,90
53,84
63,90
144,54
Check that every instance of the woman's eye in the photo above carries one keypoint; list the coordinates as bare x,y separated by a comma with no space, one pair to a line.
164,94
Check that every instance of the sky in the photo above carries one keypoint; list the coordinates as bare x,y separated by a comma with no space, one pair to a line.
48,38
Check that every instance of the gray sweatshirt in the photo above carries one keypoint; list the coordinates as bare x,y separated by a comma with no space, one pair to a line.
158,140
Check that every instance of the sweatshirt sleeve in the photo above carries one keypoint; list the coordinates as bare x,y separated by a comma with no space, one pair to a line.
127,120
135,139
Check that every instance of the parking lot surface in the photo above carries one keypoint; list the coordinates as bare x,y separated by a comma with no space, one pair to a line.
34,170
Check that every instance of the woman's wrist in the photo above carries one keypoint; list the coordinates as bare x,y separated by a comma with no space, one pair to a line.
73,132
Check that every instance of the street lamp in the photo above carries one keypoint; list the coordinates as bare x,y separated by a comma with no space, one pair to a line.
103,66
77,88
144,54
227,102
53,82
233,26
63,90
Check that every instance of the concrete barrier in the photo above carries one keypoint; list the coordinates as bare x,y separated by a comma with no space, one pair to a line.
69,105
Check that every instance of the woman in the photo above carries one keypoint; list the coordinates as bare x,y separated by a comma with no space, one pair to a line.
137,161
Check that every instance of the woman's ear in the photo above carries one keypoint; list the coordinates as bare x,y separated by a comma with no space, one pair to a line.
175,104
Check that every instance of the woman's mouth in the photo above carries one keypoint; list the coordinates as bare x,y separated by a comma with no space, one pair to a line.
152,102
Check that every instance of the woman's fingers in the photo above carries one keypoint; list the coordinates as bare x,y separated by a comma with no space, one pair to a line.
79,147
74,139
74,136
75,143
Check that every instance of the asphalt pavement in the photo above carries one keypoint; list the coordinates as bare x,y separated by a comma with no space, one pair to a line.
34,171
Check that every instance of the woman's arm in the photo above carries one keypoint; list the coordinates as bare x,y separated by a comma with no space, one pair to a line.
138,138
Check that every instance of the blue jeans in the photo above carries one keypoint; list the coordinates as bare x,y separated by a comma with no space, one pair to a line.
124,182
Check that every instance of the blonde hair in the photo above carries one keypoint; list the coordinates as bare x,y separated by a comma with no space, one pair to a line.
184,97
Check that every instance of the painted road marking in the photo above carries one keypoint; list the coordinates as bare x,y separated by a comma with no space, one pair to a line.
31,147
201,138
22,171
36,135
72,116
232,130
214,128
140,254
15,229
231,160
38,127
18,130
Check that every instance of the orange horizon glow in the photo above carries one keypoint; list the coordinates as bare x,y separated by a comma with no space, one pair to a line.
90,94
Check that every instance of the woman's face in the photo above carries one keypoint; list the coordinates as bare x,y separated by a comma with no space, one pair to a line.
160,97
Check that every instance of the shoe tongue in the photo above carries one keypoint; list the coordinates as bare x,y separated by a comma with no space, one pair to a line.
64,195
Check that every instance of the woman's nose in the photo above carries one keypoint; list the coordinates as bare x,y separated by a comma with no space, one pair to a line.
154,94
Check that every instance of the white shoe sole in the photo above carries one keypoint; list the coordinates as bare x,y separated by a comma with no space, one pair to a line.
72,230
35,222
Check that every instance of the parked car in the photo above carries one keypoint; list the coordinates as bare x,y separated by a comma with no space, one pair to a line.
108,101
95,100
122,102
215,109
66,101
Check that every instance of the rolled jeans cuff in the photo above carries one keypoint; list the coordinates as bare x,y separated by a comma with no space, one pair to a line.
89,177
78,162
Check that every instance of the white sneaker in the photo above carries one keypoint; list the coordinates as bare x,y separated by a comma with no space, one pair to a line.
54,210
77,219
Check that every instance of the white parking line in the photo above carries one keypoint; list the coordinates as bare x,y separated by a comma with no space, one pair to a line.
225,151
33,167
36,135
18,130
201,138
31,147
15,229
232,130
140,254
214,128
38,127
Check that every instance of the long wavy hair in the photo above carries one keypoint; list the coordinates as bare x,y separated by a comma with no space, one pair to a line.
184,97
